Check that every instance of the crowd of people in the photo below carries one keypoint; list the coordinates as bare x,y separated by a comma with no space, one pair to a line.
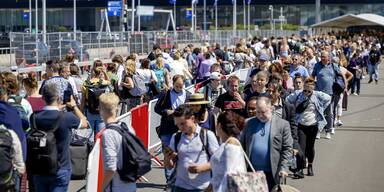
295,90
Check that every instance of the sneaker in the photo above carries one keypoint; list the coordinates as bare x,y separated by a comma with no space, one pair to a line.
339,123
370,81
363,77
332,131
355,94
328,135
318,136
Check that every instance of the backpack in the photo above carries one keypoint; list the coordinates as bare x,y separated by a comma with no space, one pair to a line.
160,78
137,160
7,171
16,103
42,156
94,92
139,88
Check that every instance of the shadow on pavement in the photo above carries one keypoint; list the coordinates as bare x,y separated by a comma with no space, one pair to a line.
150,185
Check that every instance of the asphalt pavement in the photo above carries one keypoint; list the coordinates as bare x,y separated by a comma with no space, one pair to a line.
352,161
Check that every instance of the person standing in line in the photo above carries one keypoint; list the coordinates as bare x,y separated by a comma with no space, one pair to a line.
310,106
112,146
267,141
46,120
33,97
373,65
189,152
325,73
229,157
165,106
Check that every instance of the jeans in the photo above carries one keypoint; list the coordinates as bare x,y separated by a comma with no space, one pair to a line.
307,138
373,71
328,112
57,183
355,83
95,122
165,141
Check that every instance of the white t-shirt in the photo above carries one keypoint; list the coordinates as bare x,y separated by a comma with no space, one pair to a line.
147,75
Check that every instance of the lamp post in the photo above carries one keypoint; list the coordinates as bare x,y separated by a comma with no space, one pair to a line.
74,20
271,19
234,17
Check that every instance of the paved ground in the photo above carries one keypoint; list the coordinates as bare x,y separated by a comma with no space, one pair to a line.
352,161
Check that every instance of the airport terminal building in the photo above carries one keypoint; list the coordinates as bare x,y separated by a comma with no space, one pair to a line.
14,14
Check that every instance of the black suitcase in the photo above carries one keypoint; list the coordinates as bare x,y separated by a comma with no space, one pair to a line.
79,149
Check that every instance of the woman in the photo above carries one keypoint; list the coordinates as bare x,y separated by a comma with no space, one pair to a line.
100,80
298,83
204,117
162,75
338,107
258,86
149,78
229,158
310,106
22,105
75,75
287,79
33,97
127,99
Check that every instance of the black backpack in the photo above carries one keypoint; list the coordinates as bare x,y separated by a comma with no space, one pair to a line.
137,160
94,92
7,171
42,156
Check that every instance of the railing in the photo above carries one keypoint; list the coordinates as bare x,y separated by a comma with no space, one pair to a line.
29,49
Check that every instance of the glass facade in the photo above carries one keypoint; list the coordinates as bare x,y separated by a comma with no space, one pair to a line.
89,19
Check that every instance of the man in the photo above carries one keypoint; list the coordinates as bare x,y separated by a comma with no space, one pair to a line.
64,87
286,111
112,146
232,99
325,73
251,107
192,150
46,120
267,141
296,67
311,60
213,89
374,61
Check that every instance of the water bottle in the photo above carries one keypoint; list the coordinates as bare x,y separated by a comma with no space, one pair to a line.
191,175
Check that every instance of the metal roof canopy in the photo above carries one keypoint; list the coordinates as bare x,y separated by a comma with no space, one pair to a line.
351,20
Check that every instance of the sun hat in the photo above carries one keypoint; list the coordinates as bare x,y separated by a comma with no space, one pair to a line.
196,99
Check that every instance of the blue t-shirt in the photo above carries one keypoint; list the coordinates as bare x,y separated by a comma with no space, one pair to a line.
325,76
260,149
299,69
45,120
10,118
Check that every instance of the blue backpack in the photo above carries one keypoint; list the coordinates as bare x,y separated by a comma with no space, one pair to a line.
160,78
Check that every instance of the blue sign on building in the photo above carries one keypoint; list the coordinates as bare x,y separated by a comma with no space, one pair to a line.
26,15
114,8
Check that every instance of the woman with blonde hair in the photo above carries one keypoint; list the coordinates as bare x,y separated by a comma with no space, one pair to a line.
127,100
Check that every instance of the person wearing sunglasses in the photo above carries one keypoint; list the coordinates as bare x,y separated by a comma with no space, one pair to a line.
297,67
310,106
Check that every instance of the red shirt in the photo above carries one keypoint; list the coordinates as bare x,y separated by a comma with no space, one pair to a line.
37,103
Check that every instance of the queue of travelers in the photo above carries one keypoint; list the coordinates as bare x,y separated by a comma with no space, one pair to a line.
295,90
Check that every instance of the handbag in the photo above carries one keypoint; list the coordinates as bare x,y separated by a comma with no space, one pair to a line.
249,181
152,87
338,83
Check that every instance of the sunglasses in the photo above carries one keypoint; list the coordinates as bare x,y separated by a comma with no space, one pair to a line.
307,91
